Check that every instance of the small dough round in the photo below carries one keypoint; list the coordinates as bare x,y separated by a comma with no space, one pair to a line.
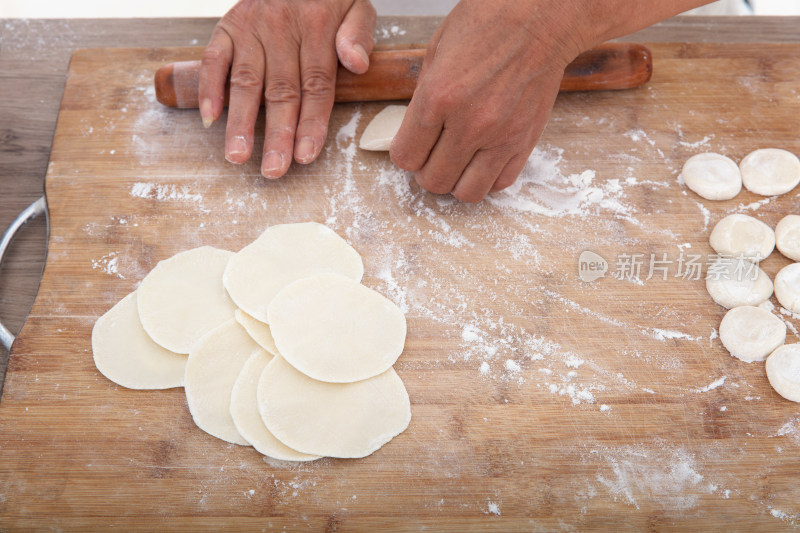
787,287
751,333
334,329
382,128
244,410
258,330
125,354
712,176
214,364
182,298
742,235
787,236
733,282
282,254
783,371
770,171
347,420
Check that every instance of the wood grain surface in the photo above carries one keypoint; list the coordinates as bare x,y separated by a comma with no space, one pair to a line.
33,60
539,402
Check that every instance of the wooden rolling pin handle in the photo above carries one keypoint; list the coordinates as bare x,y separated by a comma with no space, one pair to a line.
393,75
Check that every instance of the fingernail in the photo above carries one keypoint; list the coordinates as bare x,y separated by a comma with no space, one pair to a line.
205,113
272,164
236,146
362,53
306,150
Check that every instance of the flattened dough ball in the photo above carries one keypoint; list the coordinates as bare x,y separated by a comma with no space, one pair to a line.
742,235
787,236
382,128
783,371
282,254
733,282
244,410
787,287
334,329
770,171
125,354
347,420
214,364
712,176
182,298
751,333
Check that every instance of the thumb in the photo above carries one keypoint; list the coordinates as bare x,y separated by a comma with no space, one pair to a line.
354,38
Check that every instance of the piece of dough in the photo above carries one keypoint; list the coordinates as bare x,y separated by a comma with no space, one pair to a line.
258,330
334,329
244,410
182,298
733,282
750,333
787,287
214,364
770,171
783,371
347,420
787,236
125,354
712,176
382,128
742,235
281,255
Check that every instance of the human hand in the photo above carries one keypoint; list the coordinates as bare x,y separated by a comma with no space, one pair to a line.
287,50
489,80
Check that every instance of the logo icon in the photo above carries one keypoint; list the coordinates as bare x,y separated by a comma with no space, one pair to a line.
591,266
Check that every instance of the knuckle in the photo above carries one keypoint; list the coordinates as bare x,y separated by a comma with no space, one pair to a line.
246,77
403,159
467,196
212,54
282,90
318,82
434,184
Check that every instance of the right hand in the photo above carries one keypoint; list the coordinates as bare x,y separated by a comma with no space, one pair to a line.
287,50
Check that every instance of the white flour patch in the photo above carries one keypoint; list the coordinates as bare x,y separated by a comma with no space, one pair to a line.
754,206
108,264
706,214
493,508
713,385
784,516
790,429
661,474
165,193
543,189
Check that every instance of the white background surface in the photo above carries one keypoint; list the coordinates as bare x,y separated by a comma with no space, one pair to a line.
216,8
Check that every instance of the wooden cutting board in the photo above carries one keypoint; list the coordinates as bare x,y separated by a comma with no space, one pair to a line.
539,401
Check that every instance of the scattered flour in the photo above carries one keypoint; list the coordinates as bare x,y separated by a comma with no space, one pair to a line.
713,385
661,474
493,508
108,264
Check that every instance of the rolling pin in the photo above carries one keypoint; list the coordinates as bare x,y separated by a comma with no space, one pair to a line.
392,75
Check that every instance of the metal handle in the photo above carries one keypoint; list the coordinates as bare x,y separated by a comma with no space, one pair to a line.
32,211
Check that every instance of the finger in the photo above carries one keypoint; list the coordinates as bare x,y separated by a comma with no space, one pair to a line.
247,80
282,94
354,38
510,173
446,163
423,122
318,79
214,68
480,175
